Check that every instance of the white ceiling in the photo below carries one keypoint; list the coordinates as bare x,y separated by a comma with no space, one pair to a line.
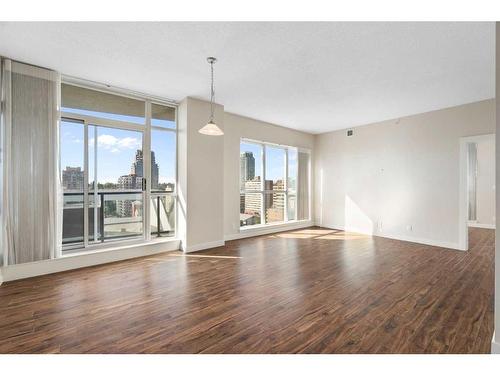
314,77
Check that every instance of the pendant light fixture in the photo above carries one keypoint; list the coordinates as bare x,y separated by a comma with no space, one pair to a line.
211,128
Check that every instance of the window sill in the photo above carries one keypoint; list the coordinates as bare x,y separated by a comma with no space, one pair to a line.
122,245
273,225
263,229
88,258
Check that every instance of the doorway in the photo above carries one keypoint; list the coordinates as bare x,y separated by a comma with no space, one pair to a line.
477,187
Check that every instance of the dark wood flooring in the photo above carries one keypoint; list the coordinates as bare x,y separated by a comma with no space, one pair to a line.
304,291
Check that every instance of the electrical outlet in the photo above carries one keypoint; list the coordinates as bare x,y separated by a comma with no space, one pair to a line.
409,228
379,226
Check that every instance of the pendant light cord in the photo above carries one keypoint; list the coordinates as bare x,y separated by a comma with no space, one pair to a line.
212,92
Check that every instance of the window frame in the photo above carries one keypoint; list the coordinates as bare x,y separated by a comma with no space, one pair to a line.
285,191
145,130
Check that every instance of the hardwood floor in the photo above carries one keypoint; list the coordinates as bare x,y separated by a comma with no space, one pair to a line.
304,291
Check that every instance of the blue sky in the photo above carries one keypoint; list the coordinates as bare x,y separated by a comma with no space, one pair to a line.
116,148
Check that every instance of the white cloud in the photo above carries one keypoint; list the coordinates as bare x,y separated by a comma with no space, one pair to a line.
114,144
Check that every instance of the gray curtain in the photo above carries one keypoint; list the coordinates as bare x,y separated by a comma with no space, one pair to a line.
31,196
303,186
471,179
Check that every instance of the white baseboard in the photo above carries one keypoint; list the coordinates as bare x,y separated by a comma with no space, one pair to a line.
269,229
423,241
479,225
74,261
202,246
495,346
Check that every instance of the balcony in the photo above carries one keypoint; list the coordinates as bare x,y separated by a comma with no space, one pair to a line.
116,215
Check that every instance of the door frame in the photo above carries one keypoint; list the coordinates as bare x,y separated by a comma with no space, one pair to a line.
463,216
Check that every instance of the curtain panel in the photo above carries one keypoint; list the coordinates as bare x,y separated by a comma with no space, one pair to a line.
31,189
303,186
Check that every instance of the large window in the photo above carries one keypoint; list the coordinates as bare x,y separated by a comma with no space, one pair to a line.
118,161
274,183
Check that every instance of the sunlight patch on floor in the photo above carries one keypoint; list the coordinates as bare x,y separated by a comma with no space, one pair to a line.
204,256
316,232
295,235
327,234
343,236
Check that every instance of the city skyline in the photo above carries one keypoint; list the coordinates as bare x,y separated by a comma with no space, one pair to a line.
115,151
73,177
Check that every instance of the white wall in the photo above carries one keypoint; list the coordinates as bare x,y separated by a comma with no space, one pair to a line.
398,178
235,128
485,182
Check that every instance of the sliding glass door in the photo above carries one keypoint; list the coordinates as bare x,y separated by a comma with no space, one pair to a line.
116,183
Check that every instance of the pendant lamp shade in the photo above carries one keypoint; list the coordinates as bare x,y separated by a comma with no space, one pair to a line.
211,128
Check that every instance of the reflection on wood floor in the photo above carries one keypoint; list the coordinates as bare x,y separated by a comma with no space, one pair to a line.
306,291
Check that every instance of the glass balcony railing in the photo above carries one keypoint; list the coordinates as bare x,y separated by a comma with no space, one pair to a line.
162,217
115,215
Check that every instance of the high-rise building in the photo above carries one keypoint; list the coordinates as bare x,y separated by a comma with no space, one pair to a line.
72,178
138,168
155,170
247,167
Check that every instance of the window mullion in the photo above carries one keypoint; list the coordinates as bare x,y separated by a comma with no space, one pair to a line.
85,185
263,185
147,174
96,195
285,187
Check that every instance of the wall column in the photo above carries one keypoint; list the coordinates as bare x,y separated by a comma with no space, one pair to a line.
201,177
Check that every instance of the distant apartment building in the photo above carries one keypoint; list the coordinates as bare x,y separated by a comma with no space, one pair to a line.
251,203
278,185
127,207
130,182
276,210
72,178
279,198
